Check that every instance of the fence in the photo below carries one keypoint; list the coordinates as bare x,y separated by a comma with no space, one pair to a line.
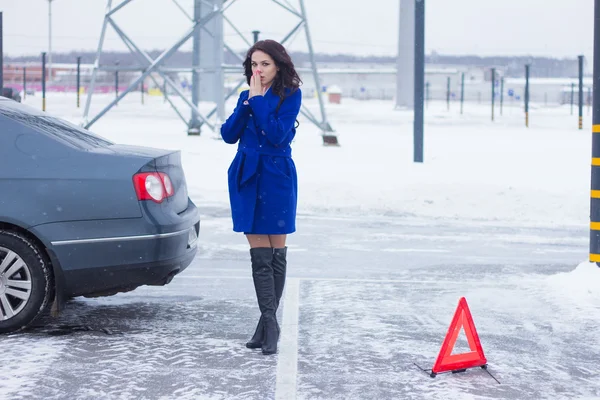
362,86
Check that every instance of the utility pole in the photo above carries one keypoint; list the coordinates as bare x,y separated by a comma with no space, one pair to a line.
462,91
493,90
419,118
50,40
448,93
78,79
43,81
580,92
117,80
527,66
501,93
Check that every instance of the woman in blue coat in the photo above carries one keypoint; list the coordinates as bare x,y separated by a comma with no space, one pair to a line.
263,186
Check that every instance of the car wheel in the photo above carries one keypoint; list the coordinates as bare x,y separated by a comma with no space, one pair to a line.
26,284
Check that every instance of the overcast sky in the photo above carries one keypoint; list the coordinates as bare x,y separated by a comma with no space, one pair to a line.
559,28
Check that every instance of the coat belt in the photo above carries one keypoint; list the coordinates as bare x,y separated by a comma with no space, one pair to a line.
249,164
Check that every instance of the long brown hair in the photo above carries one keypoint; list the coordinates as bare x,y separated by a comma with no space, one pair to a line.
286,78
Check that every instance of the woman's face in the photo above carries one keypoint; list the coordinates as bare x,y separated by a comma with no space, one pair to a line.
264,64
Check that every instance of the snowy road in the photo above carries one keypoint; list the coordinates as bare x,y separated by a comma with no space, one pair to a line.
370,297
376,270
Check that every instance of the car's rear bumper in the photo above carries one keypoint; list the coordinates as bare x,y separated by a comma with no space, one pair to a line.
124,277
103,256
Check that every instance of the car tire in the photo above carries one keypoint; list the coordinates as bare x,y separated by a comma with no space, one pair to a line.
26,282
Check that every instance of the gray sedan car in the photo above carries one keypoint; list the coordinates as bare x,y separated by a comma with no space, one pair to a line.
83,216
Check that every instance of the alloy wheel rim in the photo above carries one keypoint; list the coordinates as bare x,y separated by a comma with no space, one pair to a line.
15,284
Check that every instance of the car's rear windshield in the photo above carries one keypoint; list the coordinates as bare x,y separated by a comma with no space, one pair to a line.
60,129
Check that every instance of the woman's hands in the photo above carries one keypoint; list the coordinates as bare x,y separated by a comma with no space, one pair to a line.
256,88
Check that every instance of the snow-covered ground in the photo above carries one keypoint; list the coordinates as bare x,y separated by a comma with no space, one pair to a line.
474,169
497,212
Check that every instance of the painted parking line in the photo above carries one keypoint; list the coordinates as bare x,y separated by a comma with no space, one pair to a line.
287,362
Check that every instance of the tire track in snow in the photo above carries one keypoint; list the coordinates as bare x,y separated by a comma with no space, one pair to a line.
186,350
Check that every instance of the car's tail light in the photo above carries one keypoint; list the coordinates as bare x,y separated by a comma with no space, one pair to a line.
168,185
155,186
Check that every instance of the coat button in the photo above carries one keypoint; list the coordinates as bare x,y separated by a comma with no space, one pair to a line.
263,132
250,114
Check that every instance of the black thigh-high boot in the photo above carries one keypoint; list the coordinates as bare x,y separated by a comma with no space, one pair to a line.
257,339
279,264
264,285
279,269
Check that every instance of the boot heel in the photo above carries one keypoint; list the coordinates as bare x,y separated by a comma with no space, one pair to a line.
271,336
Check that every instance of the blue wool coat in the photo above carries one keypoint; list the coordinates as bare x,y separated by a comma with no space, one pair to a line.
262,177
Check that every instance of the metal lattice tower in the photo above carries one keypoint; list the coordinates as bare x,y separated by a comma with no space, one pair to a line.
207,22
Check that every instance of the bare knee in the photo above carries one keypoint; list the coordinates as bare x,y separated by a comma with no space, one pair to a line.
277,241
258,241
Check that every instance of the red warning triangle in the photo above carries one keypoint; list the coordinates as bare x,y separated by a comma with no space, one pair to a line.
447,361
